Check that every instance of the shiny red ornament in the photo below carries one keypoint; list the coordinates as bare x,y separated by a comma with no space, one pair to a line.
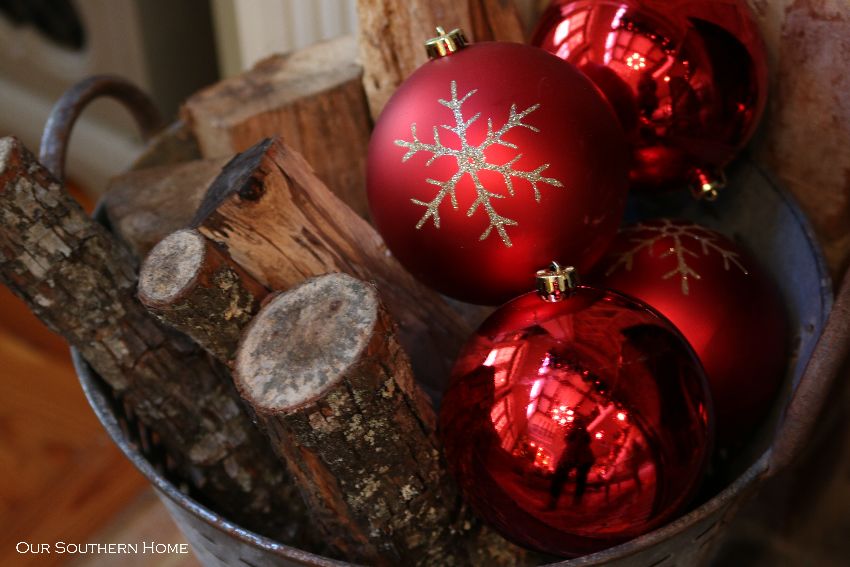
491,162
576,425
688,79
719,299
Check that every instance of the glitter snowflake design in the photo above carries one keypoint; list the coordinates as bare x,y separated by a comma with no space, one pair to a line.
471,160
648,235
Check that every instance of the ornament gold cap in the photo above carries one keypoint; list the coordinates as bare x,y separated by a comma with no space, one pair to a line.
445,43
555,283
706,186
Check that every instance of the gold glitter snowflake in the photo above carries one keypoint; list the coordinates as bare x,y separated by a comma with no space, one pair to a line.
649,234
471,160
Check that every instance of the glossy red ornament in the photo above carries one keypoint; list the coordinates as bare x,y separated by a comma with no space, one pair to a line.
576,425
688,78
717,296
491,162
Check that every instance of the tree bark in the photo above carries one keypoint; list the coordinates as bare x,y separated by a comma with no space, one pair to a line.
312,98
81,281
145,205
321,367
192,285
282,225
393,32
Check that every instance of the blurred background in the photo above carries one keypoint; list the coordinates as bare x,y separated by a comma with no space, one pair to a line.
61,479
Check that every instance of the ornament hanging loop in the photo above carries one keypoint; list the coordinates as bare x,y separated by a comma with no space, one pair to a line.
556,283
445,43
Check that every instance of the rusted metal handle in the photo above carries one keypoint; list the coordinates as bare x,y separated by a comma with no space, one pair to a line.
57,130
829,357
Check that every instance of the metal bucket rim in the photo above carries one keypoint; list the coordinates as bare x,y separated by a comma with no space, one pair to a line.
102,407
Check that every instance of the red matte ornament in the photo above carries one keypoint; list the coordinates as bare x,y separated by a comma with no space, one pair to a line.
576,425
492,161
715,294
688,79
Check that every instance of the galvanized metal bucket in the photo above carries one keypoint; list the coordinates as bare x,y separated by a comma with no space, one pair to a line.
757,212
753,209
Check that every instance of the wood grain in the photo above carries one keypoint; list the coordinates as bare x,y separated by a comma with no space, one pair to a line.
282,225
313,99
144,206
392,34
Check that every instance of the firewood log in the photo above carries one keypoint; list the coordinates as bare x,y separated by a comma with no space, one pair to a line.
192,285
80,281
392,33
282,225
312,98
323,370
145,205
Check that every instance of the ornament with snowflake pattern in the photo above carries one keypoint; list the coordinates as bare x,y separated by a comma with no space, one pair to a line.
491,162
715,293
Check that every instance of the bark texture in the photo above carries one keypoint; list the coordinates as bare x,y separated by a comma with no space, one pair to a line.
323,370
81,281
282,225
312,98
192,285
393,33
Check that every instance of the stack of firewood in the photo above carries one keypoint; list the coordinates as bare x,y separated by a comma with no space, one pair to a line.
244,310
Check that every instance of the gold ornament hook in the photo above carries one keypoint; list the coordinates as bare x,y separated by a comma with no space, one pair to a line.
706,186
556,283
445,43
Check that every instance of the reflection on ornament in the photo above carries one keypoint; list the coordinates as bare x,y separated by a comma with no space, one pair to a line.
688,79
716,295
471,160
588,426
645,236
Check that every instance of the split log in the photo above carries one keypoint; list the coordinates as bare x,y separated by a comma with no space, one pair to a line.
807,123
322,369
192,285
312,98
81,282
143,206
175,144
279,222
392,34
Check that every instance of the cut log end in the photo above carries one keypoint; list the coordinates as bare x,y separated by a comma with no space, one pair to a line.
296,348
183,252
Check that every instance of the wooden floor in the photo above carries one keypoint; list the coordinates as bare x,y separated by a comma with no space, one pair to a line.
61,477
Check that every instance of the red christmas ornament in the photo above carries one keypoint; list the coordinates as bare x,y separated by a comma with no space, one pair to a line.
720,301
489,163
688,79
576,425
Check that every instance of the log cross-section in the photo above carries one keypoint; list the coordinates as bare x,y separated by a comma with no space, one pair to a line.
282,225
321,367
193,286
80,280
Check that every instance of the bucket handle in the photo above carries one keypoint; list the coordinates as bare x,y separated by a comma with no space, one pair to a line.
57,130
831,352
